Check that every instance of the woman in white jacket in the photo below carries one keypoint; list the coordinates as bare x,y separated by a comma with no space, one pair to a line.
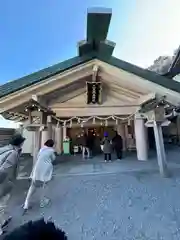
41,173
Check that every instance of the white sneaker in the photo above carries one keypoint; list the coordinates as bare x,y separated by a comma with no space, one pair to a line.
25,206
6,222
44,202
1,231
5,225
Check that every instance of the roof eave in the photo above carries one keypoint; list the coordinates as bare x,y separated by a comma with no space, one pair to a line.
68,64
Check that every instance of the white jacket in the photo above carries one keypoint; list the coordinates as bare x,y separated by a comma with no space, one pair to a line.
43,168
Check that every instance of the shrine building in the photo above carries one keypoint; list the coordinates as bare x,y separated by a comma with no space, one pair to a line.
93,91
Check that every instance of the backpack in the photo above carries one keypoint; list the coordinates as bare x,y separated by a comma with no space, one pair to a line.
4,153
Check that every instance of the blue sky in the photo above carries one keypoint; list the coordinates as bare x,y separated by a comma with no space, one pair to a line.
35,34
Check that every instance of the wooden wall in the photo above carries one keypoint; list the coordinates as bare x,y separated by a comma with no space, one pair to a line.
5,135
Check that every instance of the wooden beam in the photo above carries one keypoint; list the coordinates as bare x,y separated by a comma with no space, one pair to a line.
95,111
126,91
151,104
122,96
95,73
145,98
66,89
127,79
68,96
45,87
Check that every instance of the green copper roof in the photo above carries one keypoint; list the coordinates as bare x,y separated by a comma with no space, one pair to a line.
98,21
95,46
41,75
141,72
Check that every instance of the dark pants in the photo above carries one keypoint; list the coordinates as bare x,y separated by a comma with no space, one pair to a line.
107,156
118,153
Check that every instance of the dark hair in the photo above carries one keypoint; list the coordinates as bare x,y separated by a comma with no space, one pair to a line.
49,143
37,230
17,140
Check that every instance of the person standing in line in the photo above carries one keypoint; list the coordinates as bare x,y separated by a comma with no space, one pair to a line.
90,143
85,146
9,163
106,147
118,145
41,174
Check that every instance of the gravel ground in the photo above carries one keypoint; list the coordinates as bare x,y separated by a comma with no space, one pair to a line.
133,205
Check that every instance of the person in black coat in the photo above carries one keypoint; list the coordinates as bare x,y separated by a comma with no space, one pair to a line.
118,145
85,146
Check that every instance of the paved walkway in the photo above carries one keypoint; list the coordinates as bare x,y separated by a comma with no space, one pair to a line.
119,200
131,205
75,165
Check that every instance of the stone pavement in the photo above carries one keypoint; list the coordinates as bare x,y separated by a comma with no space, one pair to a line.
118,200
72,165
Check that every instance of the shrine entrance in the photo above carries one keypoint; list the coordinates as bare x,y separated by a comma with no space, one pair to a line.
96,133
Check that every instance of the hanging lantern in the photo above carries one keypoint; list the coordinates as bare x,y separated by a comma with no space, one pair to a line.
106,122
116,121
94,120
101,123
79,120
82,125
129,122
70,124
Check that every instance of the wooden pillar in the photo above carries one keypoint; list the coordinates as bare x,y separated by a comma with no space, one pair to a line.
161,155
49,126
64,132
30,117
59,139
21,129
156,119
141,139
44,136
37,144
